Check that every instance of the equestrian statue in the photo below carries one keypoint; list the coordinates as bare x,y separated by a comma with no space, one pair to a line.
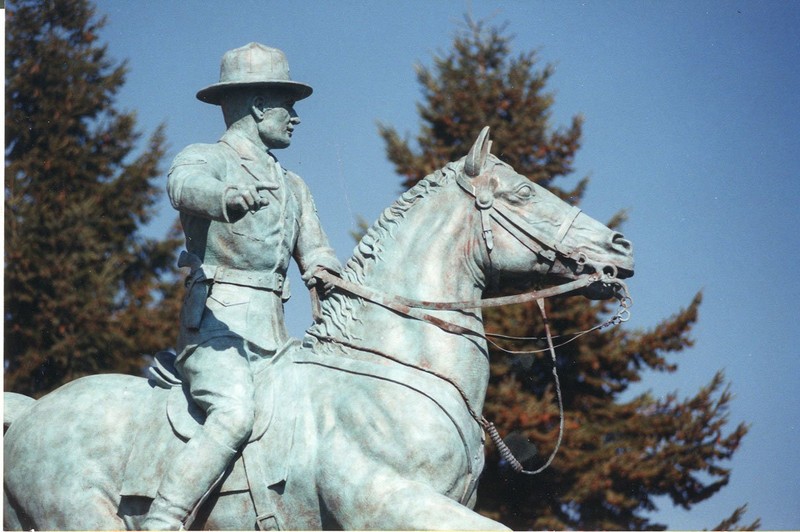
373,419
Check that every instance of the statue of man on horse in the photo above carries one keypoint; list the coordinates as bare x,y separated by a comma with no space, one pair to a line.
243,216
391,433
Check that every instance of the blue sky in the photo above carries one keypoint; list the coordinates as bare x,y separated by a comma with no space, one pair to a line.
692,125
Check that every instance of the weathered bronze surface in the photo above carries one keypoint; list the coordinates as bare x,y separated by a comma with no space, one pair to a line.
371,422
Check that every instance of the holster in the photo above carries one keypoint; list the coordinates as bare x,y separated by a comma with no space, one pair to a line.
197,288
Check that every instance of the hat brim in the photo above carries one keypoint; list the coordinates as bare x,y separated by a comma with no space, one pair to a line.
213,93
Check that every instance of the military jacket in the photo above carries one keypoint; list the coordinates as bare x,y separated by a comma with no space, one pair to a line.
241,260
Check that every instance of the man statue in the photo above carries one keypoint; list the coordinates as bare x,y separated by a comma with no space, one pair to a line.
243,216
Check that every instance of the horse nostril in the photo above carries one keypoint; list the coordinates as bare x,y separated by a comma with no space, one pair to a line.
618,241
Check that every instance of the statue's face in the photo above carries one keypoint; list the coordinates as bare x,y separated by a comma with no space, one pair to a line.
277,121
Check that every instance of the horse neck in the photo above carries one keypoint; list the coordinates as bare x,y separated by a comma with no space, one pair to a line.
432,254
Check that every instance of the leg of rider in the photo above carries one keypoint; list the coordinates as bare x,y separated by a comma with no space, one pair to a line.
221,382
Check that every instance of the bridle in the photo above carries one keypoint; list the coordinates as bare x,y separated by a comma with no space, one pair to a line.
540,245
548,248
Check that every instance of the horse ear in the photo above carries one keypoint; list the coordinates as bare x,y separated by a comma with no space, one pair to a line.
478,153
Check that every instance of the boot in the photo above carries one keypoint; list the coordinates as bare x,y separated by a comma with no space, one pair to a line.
191,475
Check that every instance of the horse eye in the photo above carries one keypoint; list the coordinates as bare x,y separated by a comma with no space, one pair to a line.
525,191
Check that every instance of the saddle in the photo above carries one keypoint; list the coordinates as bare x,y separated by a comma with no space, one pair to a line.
176,418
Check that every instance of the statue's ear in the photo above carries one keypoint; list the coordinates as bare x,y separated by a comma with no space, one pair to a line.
257,107
478,153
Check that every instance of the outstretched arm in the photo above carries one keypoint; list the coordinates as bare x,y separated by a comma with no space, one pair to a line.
195,186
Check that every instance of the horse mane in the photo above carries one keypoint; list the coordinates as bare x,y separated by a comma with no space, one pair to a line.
337,309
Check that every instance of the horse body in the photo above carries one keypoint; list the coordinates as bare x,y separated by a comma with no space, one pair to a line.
356,448
377,413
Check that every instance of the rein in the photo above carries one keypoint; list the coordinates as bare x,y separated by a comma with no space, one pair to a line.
413,308
502,448
526,297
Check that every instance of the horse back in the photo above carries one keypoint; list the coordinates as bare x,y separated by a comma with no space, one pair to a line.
14,406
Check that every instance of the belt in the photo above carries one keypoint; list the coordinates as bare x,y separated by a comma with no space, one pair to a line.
225,275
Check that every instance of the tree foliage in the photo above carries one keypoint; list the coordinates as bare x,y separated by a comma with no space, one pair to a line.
617,455
84,292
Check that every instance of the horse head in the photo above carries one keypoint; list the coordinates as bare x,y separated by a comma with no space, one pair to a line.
469,226
528,229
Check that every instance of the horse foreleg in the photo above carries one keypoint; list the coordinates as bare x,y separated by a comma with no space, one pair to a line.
400,504
13,518
415,506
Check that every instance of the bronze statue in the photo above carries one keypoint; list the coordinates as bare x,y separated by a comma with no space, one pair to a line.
374,420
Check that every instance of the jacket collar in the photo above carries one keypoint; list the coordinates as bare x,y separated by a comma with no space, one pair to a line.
256,159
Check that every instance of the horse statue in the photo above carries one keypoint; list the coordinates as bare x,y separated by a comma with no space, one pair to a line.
372,421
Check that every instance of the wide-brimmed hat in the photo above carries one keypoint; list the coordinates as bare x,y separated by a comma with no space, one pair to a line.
253,65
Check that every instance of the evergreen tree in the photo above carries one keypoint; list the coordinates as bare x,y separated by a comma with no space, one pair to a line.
616,456
84,293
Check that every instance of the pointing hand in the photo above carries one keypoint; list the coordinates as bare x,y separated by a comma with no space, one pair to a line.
247,197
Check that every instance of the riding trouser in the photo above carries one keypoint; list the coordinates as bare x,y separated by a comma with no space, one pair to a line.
221,382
